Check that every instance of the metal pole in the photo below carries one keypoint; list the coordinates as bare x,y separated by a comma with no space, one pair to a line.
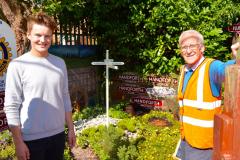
109,63
107,89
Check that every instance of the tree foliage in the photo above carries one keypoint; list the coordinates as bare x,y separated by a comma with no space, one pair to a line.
160,22
144,34
14,12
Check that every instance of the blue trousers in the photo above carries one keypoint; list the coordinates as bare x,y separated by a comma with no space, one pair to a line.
187,152
49,148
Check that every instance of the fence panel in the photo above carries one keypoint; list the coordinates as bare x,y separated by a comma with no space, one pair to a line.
74,34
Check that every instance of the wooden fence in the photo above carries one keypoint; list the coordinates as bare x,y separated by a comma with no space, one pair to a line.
74,34
74,40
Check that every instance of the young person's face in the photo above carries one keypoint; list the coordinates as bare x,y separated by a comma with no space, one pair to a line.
40,37
191,51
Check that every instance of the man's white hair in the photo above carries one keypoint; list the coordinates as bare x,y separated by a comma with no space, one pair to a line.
191,34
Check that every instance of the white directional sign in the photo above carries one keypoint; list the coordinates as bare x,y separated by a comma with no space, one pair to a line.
109,63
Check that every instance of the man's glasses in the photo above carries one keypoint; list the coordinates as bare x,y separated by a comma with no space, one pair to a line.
190,47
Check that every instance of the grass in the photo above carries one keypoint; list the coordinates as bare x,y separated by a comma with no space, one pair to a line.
76,62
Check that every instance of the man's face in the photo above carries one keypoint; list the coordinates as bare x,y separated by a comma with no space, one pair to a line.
40,37
191,51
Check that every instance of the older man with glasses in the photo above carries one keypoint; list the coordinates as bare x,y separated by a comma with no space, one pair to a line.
199,96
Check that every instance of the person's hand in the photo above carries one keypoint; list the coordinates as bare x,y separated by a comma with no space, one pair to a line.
71,138
22,151
235,48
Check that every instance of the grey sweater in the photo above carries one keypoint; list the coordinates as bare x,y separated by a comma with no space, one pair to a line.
36,95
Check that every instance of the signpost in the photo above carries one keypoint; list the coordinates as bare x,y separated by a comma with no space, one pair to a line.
7,52
109,63
234,28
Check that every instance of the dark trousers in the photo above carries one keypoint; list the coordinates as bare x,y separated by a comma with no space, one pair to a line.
49,148
187,152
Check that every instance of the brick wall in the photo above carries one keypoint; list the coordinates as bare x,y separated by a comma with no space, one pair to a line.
82,85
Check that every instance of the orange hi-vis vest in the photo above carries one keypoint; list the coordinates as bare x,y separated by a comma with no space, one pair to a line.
197,107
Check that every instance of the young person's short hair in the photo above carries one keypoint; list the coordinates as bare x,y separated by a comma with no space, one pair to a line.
41,18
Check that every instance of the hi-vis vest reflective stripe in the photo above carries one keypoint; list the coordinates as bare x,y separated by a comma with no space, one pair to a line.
197,107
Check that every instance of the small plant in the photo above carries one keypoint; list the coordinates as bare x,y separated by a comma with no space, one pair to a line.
67,153
104,141
128,124
127,153
119,114
88,112
7,150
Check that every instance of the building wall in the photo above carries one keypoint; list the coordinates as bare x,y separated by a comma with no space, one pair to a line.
83,86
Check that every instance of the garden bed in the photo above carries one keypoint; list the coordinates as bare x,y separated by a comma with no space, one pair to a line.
151,136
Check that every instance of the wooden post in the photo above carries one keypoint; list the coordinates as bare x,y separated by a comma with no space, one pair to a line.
227,124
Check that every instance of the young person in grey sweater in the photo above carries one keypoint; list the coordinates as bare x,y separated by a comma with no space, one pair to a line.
37,102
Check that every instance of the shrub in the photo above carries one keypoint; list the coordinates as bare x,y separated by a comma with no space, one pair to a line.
127,153
152,142
88,112
7,150
158,143
104,141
